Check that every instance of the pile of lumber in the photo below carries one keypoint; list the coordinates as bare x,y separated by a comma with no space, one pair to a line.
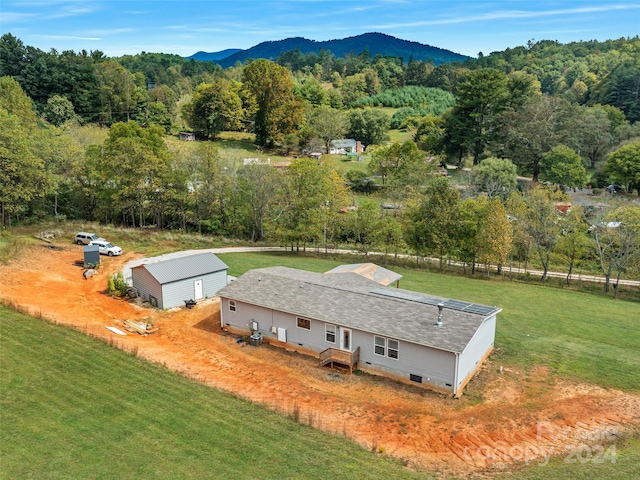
142,328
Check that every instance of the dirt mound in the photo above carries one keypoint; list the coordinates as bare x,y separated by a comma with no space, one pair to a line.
507,417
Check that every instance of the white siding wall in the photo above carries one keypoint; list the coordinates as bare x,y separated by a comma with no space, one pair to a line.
435,367
174,294
146,285
479,345
312,339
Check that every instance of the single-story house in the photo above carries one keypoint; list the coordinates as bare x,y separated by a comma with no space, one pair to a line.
348,319
187,136
345,146
170,283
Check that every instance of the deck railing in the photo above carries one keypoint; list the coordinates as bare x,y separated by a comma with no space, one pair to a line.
334,355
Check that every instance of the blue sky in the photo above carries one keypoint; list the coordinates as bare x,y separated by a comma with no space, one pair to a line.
119,27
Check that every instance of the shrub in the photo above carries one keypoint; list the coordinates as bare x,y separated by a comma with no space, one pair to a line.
117,285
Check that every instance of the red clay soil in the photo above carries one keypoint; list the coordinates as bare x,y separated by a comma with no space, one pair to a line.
505,418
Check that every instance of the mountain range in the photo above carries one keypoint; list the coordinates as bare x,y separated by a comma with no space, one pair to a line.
376,43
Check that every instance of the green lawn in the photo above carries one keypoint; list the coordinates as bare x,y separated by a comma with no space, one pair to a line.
73,407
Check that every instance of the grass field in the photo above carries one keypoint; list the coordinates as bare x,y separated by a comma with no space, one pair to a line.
73,407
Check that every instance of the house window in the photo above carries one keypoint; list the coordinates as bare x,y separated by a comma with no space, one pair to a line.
232,305
385,347
330,333
392,348
304,323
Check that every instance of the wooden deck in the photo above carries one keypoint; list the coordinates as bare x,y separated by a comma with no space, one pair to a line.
341,357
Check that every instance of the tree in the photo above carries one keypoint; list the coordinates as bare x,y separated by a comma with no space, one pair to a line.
136,166
623,166
616,236
279,112
388,234
401,163
522,86
481,98
214,107
369,126
573,242
312,91
213,179
496,177
364,224
494,235
541,222
258,185
431,221
328,124
532,131
21,168
563,166
484,233
120,97
58,110
591,132
359,181
309,199
354,87
429,134
418,72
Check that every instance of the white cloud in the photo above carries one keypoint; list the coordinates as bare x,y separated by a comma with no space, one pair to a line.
511,14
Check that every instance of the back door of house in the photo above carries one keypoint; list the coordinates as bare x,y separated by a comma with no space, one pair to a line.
197,289
345,339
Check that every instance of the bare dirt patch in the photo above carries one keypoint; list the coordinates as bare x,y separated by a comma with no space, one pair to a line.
505,418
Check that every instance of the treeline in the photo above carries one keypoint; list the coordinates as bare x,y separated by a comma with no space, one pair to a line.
586,73
134,178
583,73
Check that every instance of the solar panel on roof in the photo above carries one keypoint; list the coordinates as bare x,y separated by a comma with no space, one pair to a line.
479,309
456,304
459,305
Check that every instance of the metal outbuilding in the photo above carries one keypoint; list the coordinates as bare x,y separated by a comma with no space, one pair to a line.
170,283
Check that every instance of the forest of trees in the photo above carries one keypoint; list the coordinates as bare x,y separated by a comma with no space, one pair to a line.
565,115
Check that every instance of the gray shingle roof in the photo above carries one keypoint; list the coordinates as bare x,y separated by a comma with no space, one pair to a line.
344,143
352,301
167,271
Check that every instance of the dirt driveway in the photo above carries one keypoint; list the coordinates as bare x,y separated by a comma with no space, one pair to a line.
505,417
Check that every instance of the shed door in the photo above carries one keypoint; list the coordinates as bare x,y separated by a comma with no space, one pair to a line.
197,288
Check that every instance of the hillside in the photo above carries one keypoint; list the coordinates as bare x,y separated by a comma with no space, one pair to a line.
376,43
214,56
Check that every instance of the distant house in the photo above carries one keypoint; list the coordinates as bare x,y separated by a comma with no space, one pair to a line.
187,136
345,318
169,283
256,161
345,147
